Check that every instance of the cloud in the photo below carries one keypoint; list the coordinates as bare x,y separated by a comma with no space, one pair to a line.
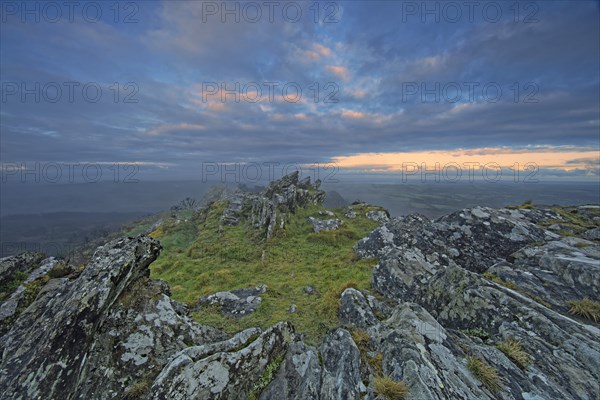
164,129
369,54
339,71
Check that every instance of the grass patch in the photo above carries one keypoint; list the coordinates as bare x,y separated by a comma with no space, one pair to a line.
266,378
59,271
527,205
586,308
477,332
202,256
32,289
513,349
485,373
538,299
389,389
137,389
500,281
11,284
361,339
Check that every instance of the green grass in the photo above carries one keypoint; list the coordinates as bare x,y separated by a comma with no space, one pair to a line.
574,224
500,281
477,332
527,205
11,284
266,378
201,257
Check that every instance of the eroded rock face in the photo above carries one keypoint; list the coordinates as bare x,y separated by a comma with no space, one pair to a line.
268,209
378,216
531,274
94,336
24,262
226,374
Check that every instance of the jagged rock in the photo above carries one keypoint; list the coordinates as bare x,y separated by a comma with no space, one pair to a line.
326,213
226,374
268,209
341,377
24,262
235,303
355,310
299,377
292,309
87,337
562,349
448,289
8,308
324,224
592,234
378,216
350,214
556,272
480,237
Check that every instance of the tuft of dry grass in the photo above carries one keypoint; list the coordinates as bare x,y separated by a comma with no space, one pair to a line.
361,338
389,389
585,308
137,389
514,351
485,373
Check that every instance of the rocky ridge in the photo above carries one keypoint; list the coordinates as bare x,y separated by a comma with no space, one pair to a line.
447,296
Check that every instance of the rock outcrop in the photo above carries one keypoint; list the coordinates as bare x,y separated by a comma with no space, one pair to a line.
267,210
235,303
473,305
324,224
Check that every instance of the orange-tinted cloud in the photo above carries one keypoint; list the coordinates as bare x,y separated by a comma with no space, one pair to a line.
549,157
339,71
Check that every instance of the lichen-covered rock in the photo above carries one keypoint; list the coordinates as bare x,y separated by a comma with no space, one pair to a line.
235,303
341,377
592,234
24,263
378,216
8,308
324,224
299,377
97,335
449,291
355,310
473,238
268,209
226,374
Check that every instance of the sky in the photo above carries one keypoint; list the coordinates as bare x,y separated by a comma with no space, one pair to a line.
188,89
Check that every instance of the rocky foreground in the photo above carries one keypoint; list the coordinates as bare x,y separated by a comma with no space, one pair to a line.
475,305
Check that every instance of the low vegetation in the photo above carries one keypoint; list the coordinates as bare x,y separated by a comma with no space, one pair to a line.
485,373
477,332
513,349
201,256
500,281
137,389
11,284
389,389
266,378
586,308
